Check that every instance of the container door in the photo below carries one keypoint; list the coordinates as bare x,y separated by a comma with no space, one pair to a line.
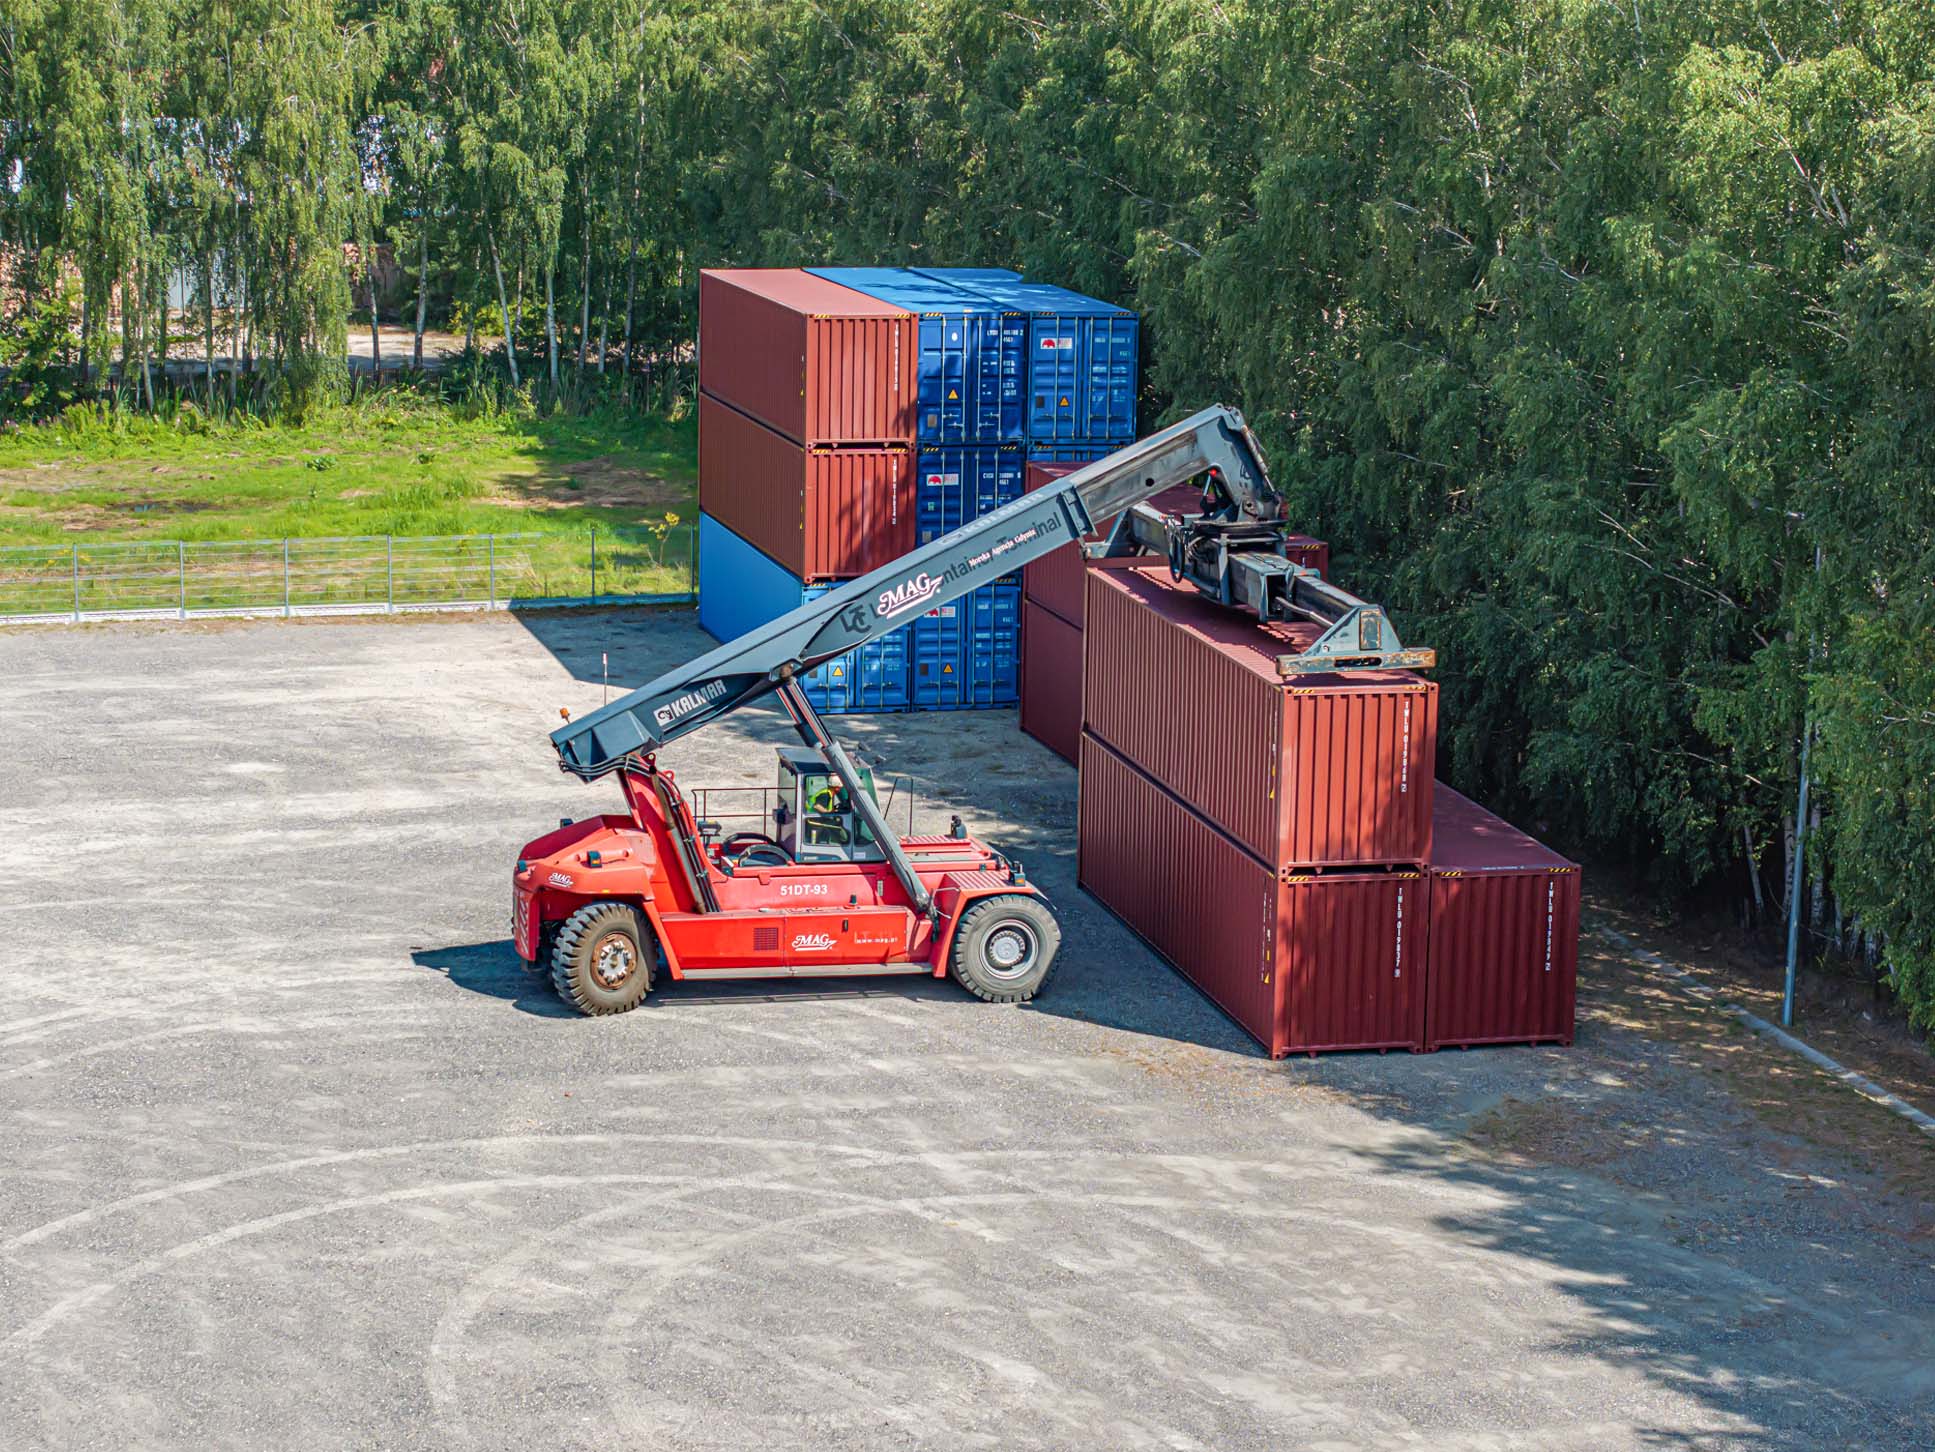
1053,381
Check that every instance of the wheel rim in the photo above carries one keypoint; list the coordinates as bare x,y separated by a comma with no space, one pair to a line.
613,960
1010,950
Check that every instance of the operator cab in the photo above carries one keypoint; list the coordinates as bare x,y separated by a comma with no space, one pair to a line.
815,820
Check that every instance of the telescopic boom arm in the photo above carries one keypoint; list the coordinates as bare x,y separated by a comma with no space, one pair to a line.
1233,552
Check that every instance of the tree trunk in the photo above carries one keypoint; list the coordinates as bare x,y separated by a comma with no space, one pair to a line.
631,289
551,318
510,338
604,324
376,338
1753,872
160,296
208,325
584,287
87,334
423,291
1815,904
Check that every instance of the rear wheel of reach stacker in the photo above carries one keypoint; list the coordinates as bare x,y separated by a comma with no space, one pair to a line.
603,959
1005,948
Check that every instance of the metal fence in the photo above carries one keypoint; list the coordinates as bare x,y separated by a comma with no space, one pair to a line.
351,575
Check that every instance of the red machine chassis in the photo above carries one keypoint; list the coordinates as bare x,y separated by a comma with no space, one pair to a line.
808,919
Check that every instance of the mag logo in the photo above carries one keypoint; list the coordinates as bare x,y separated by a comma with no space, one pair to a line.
812,943
1050,344
908,594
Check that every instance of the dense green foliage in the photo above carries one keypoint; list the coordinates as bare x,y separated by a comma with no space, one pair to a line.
1599,337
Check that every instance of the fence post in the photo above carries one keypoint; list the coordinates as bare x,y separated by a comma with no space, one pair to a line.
181,574
492,546
389,573
77,582
692,564
594,564
285,577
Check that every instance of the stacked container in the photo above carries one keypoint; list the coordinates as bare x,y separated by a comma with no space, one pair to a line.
1051,619
1504,932
806,463
850,414
1266,834
990,390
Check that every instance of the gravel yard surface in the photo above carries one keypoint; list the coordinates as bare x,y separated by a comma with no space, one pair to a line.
292,1153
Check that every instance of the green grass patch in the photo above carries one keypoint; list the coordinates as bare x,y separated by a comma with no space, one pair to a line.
393,465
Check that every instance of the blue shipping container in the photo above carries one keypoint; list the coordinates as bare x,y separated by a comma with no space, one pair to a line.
741,589
973,355
968,276
1083,356
954,485
967,654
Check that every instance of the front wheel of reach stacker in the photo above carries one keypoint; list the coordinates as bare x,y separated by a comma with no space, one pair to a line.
603,959
1005,947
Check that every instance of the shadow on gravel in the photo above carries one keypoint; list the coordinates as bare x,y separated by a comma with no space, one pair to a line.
492,969
632,643
1661,1173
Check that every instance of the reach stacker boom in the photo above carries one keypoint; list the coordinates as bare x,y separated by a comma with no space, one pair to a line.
821,886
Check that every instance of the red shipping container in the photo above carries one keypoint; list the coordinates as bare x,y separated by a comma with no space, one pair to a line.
825,514
815,361
1326,770
1055,580
1303,963
1051,680
1504,932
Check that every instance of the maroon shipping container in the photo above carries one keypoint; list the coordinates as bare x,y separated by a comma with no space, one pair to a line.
1051,680
1303,963
815,361
1330,770
1504,932
825,514
1055,580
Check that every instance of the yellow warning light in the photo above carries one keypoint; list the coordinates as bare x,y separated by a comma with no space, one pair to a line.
565,711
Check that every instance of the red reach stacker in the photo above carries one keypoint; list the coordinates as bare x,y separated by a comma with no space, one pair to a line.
821,886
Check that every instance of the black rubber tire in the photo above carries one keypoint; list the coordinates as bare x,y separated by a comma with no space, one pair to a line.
988,931
540,966
603,932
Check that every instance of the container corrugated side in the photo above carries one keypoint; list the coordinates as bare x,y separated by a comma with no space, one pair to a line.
1056,579
817,362
1083,361
1351,957
970,372
823,513
966,655
1051,681
741,589
1192,894
1504,932
1312,771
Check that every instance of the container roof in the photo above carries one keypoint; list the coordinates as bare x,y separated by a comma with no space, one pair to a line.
1467,838
1241,637
1042,297
796,288
906,288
